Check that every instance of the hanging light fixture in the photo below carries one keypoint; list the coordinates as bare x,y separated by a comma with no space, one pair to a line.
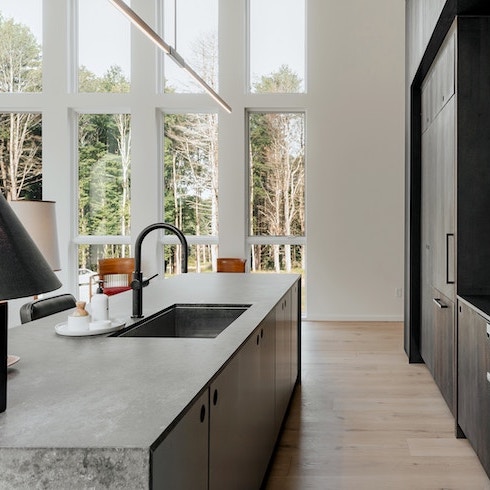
137,21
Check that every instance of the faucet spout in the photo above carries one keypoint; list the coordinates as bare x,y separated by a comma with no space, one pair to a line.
138,283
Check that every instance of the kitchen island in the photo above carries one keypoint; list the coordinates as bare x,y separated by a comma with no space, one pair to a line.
105,412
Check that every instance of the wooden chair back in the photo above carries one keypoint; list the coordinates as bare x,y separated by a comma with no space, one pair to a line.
116,273
228,264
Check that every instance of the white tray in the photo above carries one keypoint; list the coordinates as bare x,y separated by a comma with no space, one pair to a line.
62,329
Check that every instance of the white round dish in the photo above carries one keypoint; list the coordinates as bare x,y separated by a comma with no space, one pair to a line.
115,324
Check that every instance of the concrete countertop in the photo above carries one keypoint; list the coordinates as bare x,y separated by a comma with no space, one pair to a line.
122,393
481,303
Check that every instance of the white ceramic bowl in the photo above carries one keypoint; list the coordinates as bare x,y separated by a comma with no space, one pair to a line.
78,322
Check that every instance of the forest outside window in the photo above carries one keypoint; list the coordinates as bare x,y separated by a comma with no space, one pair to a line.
20,46
21,155
104,185
190,176
277,191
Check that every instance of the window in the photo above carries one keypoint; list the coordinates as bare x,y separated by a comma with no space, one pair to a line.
191,185
191,27
92,104
103,48
277,46
277,190
21,155
104,183
20,46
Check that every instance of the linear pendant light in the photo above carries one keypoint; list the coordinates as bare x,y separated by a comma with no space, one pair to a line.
137,21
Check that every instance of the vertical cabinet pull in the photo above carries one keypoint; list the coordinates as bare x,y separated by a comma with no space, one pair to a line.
215,397
449,258
202,415
439,303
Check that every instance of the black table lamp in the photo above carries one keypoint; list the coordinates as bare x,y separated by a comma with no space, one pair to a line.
23,272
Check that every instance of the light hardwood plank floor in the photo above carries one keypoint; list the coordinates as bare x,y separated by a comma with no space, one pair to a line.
364,418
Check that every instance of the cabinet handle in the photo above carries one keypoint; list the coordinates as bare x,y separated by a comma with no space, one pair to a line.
258,339
438,302
215,397
202,415
449,258
261,333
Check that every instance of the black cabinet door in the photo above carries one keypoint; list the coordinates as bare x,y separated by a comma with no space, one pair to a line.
444,321
426,252
473,381
180,461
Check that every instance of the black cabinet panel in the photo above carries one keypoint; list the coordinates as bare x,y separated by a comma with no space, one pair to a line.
473,381
437,246
444,322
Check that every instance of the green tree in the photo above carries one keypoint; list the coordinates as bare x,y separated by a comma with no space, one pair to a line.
190,177
284,80
277,171
191,162
20,133
104,167
20,58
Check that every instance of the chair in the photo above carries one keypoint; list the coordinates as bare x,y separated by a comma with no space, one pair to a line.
40,308
116,273
230,265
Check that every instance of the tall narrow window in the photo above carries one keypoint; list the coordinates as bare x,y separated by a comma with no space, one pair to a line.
277,190
20,46
191,27
191,183
277,46
21,155
103,48
104,179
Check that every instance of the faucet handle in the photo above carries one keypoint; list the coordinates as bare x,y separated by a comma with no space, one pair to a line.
139,282
147,281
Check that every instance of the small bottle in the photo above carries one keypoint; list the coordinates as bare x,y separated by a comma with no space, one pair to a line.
100,305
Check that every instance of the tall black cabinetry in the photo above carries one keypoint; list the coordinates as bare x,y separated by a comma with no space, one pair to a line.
438,141
449,244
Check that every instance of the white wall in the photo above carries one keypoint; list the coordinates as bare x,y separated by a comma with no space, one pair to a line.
355,160
355,165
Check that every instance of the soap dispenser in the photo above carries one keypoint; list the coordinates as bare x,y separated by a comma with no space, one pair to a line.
100,304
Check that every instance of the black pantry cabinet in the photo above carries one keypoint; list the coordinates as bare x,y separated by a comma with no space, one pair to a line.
448,220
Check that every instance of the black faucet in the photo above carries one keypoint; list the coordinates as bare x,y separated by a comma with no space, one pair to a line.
138,283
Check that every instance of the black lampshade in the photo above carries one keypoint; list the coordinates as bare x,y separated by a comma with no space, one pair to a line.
23,269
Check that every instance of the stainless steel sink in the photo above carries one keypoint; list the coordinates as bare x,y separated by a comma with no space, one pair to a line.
186,320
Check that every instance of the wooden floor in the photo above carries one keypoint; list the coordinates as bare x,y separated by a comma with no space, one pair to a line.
364,419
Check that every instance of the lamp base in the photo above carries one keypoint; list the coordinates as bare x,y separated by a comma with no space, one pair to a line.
3,355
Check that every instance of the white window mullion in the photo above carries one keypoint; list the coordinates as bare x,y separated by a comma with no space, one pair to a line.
57,141
233,206
146,159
